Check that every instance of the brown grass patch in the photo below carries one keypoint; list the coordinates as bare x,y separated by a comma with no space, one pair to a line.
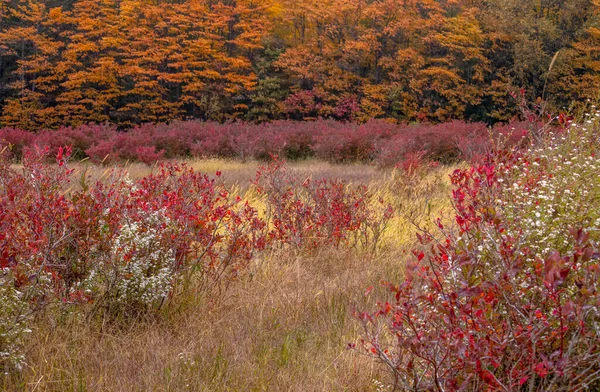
283,327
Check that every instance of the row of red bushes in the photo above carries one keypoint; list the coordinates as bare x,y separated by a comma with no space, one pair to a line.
375,141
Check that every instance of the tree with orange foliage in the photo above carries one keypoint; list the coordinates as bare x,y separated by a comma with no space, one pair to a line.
90,63
576,77
28,48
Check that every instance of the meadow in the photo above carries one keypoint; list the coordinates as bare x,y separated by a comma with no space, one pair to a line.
226,274
282,325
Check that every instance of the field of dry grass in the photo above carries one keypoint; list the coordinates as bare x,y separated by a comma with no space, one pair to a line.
283,326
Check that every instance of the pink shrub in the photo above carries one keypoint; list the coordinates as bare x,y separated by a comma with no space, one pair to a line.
148,154
375,141
16,140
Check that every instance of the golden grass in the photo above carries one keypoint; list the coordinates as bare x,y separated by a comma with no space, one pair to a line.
235,173
284,326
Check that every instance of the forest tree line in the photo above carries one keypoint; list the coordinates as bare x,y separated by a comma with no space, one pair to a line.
70,62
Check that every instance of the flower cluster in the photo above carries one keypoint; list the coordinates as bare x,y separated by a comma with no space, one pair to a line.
13,325
553,192
146,275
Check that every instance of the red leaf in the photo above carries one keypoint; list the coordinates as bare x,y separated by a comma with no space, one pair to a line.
541,370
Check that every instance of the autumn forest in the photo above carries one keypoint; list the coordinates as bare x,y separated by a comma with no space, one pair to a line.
126,62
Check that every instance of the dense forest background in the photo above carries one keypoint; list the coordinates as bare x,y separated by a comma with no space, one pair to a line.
69,62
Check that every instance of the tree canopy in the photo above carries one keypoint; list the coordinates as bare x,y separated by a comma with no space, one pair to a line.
69,62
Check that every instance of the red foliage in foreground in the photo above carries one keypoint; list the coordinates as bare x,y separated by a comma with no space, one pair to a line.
376,141
507,299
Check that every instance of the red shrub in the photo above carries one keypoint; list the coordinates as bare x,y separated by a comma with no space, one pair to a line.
513,133
347,109
507,299
122,246
211,140
298,141
393,150
413,162
445,143
105,151
350,144
80,139
301,105
16,140
148,154
308,214
174,139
